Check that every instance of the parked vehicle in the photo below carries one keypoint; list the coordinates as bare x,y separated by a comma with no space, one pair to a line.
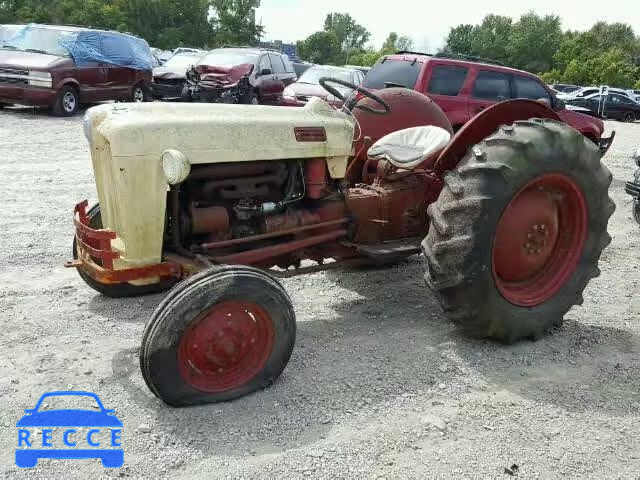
511,215
301,67
63,67
7,31
634,94
587,91
633,187
565,87
614,105
308,85
463,88
170,79
364,70
197,51
241,75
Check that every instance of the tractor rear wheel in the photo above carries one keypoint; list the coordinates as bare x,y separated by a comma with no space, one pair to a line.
518,230
115,290
218,335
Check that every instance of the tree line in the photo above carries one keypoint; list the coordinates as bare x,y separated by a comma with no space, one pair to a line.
606,54
164,24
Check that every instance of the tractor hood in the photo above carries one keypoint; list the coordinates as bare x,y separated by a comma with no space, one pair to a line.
211,133
128,139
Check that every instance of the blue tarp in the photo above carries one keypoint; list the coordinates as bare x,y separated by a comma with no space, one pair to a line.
86,46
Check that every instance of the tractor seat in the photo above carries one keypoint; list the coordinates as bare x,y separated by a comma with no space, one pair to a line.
409,147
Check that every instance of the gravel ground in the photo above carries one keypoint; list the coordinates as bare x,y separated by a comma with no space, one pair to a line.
379,385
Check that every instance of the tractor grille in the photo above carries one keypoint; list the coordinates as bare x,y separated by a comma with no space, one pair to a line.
13,76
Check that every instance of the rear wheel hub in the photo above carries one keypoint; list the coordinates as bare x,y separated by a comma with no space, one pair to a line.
539,239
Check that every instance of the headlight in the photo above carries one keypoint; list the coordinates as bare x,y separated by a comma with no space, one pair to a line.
289,92
40,79
87,127
176,167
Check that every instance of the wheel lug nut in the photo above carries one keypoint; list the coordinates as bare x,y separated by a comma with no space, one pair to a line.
527,245
529,236
543,227
535,228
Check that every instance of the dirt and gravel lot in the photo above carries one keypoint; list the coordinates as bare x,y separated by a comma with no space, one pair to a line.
379,385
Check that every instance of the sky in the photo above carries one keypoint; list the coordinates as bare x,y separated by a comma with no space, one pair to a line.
427,23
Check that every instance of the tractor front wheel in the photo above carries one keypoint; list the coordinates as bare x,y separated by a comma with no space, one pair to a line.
518,230
219,335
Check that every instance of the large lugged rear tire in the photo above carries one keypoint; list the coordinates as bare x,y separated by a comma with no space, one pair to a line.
518,230
115,290
219,335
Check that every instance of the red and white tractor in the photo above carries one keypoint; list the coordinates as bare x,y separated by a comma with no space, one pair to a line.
214,202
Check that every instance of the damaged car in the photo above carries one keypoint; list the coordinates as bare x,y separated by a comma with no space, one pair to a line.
240,75
170,79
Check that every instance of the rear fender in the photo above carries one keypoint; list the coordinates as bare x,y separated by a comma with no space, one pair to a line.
486,123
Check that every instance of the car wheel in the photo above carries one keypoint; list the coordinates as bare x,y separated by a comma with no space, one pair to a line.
251,98
629,117
139,94
67,102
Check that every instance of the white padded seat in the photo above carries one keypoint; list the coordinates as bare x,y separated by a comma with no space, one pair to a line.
411,146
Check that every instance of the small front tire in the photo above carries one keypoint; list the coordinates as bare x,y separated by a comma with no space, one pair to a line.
219,335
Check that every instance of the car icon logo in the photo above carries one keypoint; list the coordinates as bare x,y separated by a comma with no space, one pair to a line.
63,433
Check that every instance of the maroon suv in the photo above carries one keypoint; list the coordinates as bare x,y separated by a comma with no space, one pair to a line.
463,87
63,67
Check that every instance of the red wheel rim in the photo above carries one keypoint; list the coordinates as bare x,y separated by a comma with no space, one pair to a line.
226,347
539,239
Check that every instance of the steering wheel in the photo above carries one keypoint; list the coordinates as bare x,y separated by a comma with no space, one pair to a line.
352,103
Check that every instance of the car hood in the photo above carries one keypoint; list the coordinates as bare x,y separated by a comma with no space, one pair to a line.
29,60
585,124
69,418
307,90
169,72
224,75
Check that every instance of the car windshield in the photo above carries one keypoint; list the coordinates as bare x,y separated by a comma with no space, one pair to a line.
228,59
182,60
313,75
68,402
39,40
6,32
393,72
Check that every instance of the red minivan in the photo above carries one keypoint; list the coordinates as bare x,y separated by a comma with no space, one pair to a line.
63,67
463,87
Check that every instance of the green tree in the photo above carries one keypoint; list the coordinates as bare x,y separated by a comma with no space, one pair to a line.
320,47
350,34
460,40
533,42
234,22
491,38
